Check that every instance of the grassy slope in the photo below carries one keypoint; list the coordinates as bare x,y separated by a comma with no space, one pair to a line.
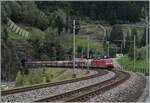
13,35
68,75
128,64
92,43
44,75
32,31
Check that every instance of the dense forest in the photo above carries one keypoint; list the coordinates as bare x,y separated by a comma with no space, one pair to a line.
49,22
107,12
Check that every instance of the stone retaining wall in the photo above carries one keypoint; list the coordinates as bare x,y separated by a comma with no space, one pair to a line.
15,28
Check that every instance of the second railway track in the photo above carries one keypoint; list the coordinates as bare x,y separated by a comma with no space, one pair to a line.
25,89
85,93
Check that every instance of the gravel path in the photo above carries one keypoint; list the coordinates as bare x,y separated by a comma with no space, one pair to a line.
129,91
54,90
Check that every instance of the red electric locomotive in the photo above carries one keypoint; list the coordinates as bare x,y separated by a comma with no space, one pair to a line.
102,63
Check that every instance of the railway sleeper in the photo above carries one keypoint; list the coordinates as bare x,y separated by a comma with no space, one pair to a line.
97,92
84,94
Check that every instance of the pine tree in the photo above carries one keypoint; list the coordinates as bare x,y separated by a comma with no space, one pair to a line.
143,40
116,34
127,46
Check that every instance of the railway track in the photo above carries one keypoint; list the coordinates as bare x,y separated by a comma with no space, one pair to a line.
25,89
84,94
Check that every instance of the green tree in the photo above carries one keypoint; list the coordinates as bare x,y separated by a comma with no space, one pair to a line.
10,61
113,50
19,80
5,35
141,53
54,53
92,11
5,11
60,52
116,34
131,52
143,40
127,46
16,11
50,43
59,20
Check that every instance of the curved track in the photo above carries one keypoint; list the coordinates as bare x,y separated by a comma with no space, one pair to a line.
24,89
83,94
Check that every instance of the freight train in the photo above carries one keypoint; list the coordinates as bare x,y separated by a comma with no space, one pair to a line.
98,63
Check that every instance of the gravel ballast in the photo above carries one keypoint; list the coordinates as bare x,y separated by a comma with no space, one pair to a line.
54,90
129,91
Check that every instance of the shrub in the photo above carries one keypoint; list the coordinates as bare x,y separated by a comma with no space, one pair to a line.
141,53
19,80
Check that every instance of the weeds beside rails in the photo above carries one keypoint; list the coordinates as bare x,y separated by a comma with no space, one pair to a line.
28,88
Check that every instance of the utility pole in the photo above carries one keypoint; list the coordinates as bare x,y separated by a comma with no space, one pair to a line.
147,37
124,42
134,51
121,47
88,38
107,48
74,49
82,58
105,31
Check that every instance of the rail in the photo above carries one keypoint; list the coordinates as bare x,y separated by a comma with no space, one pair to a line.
83,94
29,88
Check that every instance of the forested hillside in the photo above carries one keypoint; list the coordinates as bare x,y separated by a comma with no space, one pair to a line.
48,27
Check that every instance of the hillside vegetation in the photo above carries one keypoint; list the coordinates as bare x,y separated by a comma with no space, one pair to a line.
140,61
46,75
48,25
